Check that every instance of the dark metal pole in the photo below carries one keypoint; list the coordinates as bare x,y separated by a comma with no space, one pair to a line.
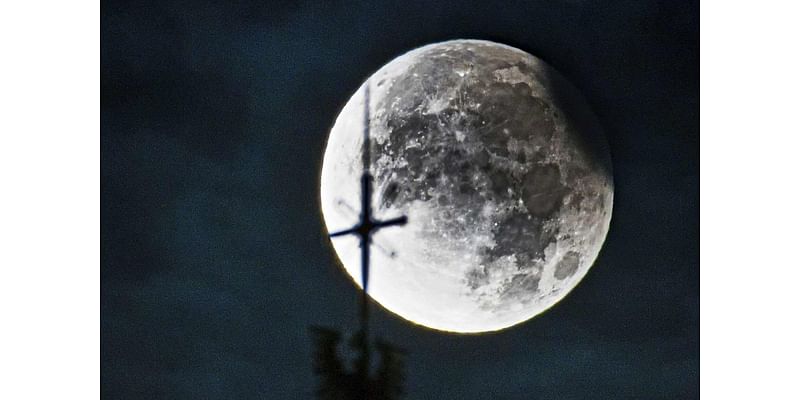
366,228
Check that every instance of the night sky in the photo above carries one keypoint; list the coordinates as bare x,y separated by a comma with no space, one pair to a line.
214,256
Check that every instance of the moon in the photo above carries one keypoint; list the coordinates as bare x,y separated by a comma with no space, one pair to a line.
503,171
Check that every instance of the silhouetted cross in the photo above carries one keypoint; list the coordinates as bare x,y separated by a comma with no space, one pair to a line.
367,224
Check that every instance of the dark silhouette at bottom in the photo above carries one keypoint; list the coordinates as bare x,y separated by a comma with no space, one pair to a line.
337,381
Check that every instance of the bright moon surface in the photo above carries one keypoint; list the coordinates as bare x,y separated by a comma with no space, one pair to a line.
502,170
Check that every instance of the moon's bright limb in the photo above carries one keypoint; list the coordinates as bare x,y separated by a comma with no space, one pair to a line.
503,172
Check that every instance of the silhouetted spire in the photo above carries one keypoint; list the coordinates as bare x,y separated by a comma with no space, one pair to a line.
337,382
367,224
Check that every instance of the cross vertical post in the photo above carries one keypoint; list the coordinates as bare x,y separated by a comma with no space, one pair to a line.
364,230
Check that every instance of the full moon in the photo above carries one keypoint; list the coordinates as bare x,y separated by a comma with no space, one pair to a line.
502,169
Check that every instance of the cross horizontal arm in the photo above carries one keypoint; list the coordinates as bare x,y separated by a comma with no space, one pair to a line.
345,232
391,222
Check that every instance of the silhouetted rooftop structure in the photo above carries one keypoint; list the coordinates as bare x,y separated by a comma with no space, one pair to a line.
336,380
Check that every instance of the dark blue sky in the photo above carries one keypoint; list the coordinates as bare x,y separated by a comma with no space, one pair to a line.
214,259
